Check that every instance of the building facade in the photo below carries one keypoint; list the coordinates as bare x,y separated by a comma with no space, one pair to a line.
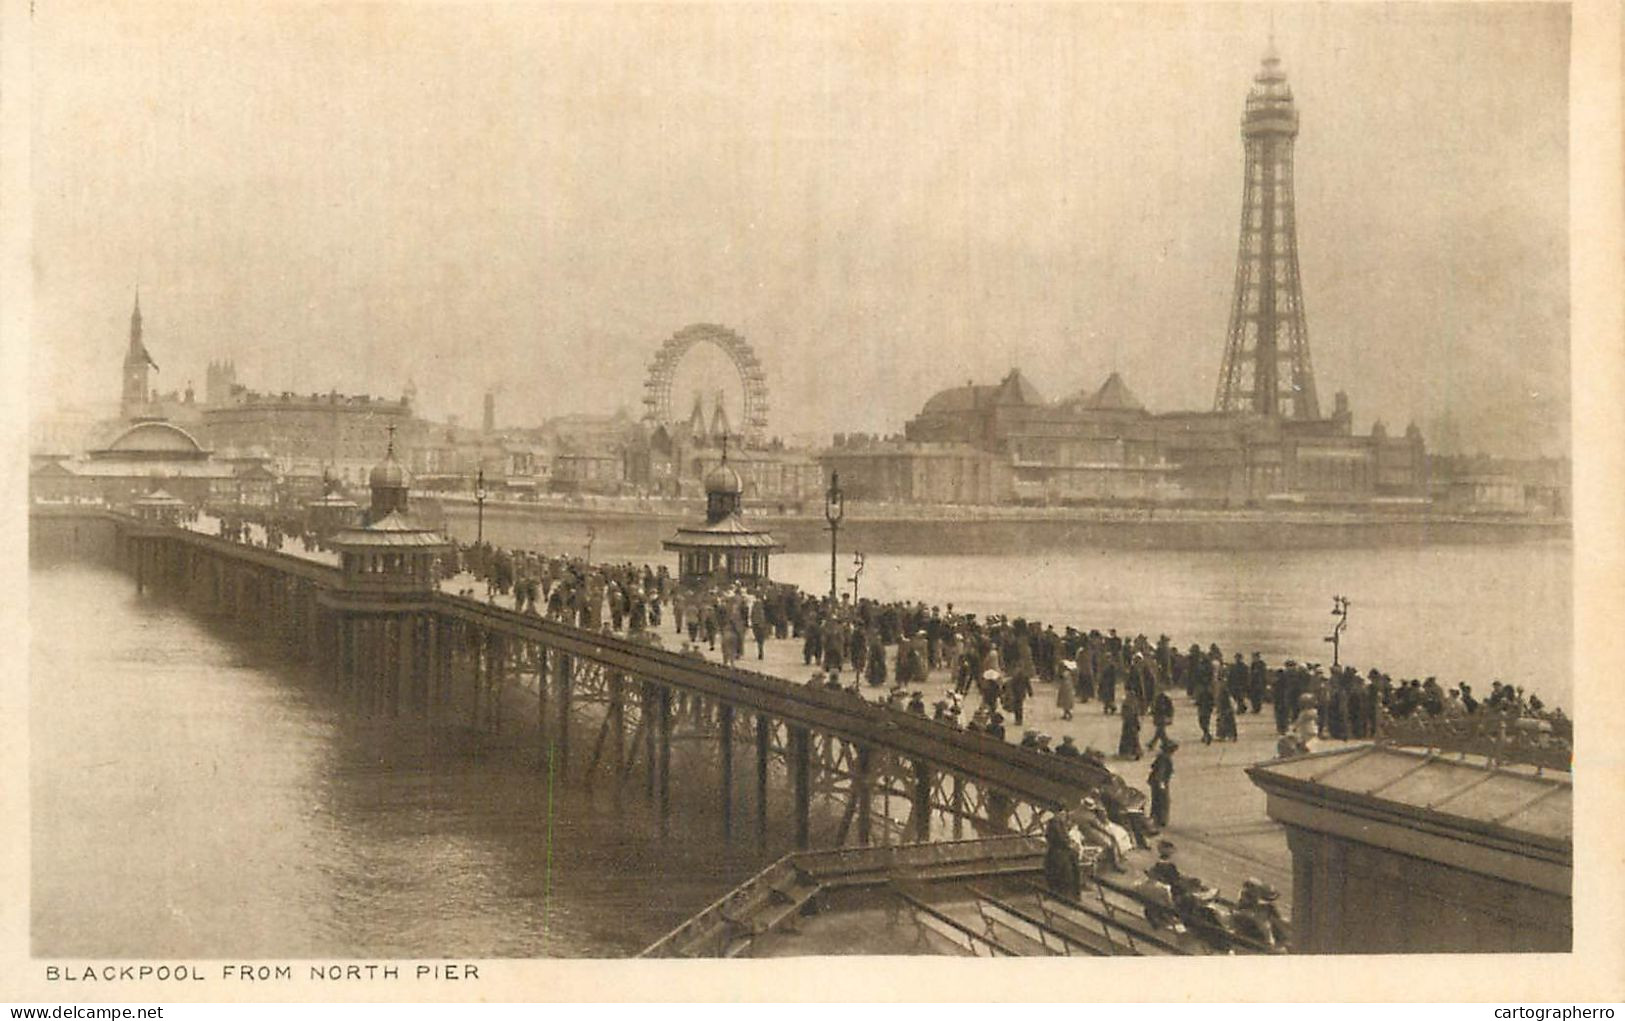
1103,446
903,471
307,434
146,456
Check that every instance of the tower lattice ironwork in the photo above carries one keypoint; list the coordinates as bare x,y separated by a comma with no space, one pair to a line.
1266,365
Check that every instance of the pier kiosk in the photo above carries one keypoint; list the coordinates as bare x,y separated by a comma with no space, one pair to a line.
388,573
723,546
159,508
332,511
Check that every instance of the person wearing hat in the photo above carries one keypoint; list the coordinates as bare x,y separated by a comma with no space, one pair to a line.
1061,861
995,725
1065,694
1165,871
1280,697
1128,740
1019,687
1161,778
1100,831
1307,726
874,666
1258,918
1225,727
1258,682
1068,748
1162,717
1029,738
1205,699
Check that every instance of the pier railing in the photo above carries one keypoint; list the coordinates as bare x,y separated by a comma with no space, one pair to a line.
1048,780
1545,742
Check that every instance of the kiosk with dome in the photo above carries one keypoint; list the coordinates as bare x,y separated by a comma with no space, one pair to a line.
723,546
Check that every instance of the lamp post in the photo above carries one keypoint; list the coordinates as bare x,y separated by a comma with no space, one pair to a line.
857,571
834,510
1340,610
479,503
591,535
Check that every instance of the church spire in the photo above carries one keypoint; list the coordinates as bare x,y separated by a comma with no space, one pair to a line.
135,394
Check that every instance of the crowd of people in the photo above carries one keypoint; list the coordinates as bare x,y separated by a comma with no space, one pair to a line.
991,666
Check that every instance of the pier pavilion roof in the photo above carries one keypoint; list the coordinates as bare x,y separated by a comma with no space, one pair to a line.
332,498
729,533
153,440
160,498
1522,806
393,530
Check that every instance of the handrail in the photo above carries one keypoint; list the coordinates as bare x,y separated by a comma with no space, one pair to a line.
1047,780
1501,737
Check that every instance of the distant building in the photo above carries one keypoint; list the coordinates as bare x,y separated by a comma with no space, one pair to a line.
601,473
146,456
1266,440
307,434
770,476
1104,446
901,471
1480,483
220,381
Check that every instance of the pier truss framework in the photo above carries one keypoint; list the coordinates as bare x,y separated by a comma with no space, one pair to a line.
761,758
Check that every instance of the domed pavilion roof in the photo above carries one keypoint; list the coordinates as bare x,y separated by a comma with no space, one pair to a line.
154,438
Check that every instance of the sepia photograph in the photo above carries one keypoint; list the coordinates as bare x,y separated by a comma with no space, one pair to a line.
529,481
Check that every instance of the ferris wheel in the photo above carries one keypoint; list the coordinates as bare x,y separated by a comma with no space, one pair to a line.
663,370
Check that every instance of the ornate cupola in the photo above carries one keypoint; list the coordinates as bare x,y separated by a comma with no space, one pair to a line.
389,485
724,490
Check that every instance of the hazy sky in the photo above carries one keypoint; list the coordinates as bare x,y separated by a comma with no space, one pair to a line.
884,201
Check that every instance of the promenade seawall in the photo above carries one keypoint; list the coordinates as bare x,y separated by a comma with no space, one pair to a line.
925,529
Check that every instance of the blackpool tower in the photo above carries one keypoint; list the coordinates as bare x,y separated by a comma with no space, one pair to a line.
1266,366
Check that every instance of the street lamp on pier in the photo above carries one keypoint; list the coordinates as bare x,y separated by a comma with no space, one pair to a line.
591,535
1340,610
479,503
834,511
857,571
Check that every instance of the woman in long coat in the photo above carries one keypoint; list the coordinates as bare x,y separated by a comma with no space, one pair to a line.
1225,730
1065,697
875,666
1128,745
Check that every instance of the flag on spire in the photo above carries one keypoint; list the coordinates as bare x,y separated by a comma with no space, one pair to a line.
138,350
